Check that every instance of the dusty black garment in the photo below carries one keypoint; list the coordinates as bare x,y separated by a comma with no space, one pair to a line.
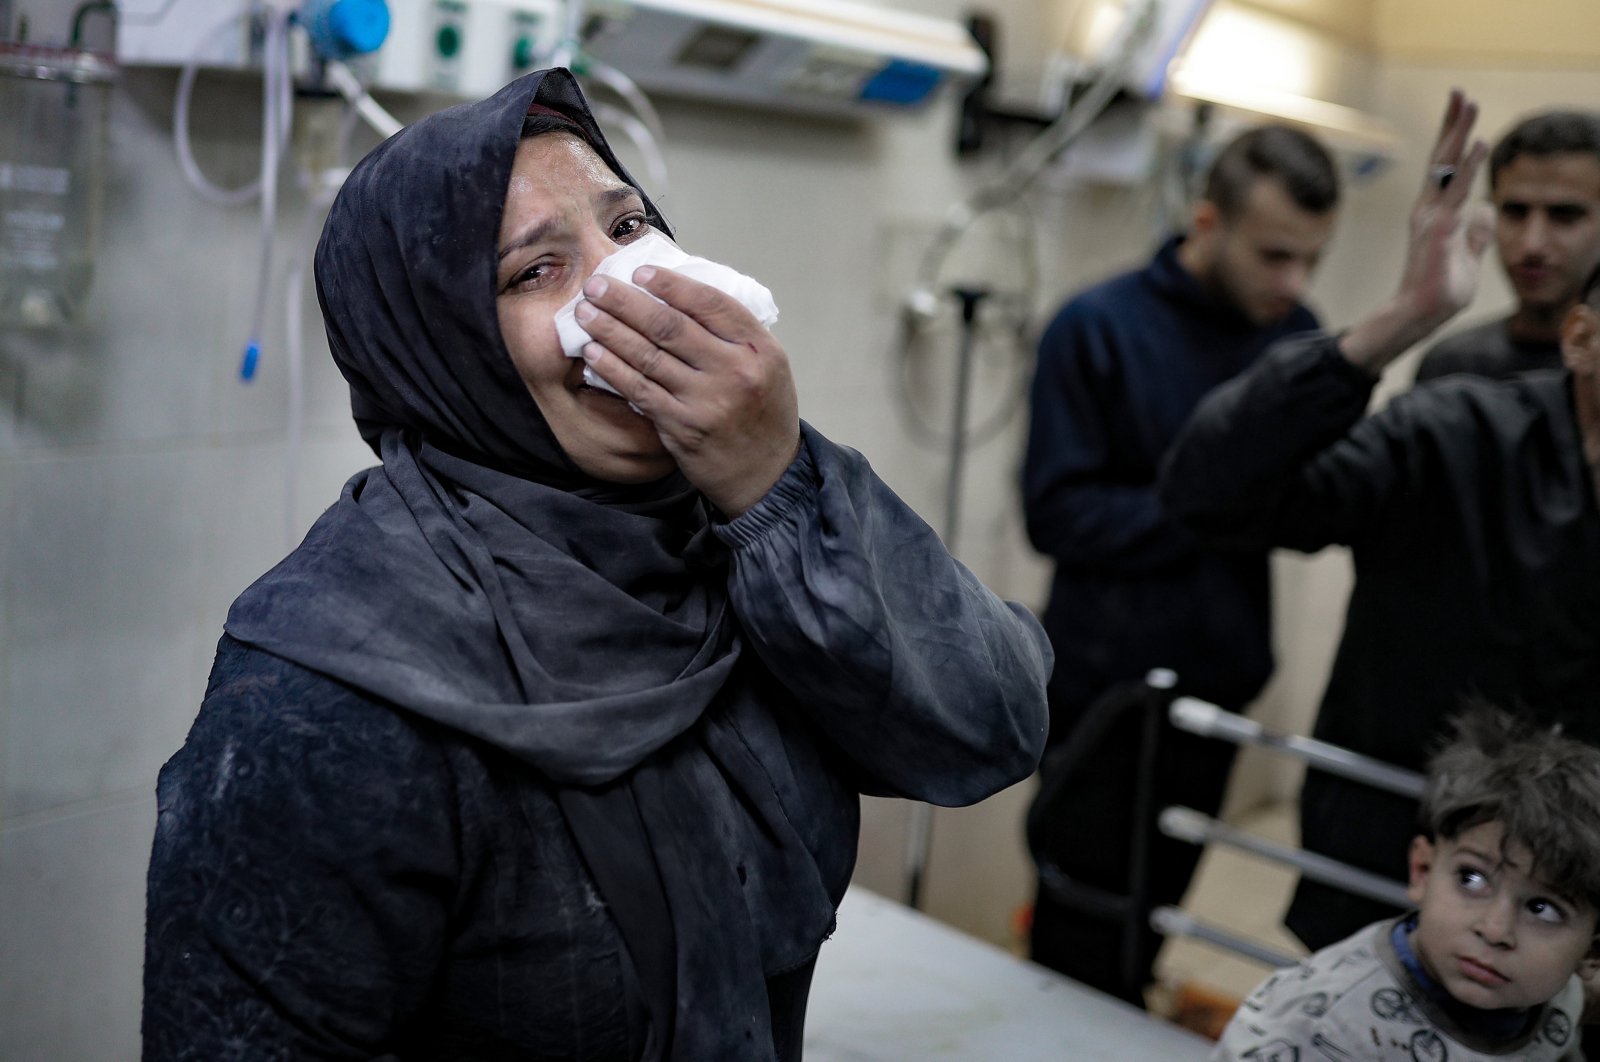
610,641
419,894
898,672
406,900
1488,350
1471,518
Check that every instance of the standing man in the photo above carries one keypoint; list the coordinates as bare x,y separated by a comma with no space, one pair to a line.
1120,369
1544,182
1469,507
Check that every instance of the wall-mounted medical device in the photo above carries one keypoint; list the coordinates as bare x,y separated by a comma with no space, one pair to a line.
454,47
1140,37
827,55
809,54
463,47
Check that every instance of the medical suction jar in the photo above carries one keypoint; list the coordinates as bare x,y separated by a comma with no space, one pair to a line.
53,114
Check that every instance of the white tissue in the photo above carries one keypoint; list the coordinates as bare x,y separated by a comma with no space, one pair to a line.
657,250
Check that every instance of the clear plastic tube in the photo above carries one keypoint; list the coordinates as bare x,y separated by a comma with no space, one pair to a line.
321,188
372,112
628,89
294,366
180,125
278,106
566,49
638,134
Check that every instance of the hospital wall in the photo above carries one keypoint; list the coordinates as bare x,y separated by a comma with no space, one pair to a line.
142,485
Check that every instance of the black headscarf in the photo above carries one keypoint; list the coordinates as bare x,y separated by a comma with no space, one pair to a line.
479,579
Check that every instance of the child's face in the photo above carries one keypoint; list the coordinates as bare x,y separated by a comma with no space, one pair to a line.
1489,931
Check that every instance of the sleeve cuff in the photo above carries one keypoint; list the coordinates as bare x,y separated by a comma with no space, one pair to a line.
798,485
1343,367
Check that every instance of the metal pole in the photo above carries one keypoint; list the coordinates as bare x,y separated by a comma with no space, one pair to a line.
1186,824
1159,684
970,298
1175,922
1208,720
919,831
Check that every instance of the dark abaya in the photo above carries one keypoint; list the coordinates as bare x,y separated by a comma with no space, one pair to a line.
506,762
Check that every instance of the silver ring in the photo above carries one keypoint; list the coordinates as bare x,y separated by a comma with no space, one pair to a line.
1441,176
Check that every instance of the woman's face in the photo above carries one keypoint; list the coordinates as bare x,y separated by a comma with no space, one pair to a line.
565,211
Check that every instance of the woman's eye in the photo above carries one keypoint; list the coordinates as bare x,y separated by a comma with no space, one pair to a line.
629,227
532,277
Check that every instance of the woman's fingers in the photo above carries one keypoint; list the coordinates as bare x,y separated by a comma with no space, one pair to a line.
620,353
699,346
713,381
694,322
717,312
646,395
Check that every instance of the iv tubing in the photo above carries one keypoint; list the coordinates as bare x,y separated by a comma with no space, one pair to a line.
1013,182
566,50
371,111
180,126
321,188
923,301
628,89
294,364
655,163
278,95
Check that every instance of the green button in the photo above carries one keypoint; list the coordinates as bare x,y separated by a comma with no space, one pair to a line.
522,53
449,41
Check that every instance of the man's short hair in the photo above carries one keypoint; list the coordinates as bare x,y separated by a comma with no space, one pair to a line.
1294,159
1541,786
1550,133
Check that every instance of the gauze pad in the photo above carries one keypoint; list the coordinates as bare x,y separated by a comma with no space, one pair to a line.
657,250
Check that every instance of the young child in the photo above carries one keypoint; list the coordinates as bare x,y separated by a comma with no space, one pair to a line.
1494,960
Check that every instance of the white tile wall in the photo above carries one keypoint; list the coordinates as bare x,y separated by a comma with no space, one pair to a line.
102,552
7,576
72,934
10,396
244,524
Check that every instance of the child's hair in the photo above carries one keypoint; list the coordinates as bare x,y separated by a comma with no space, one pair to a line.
1542,787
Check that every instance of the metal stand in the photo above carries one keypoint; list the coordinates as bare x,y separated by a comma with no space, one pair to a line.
1207,720
919,831
1184,824
1149,701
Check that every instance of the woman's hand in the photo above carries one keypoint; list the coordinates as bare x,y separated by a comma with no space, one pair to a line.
713,381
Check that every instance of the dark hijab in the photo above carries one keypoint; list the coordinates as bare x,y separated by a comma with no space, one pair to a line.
479,579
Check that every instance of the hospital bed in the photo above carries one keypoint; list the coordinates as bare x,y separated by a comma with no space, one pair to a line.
1150,710
894,984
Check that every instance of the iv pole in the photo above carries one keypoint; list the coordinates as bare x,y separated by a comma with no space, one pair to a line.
1018,176
919,831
